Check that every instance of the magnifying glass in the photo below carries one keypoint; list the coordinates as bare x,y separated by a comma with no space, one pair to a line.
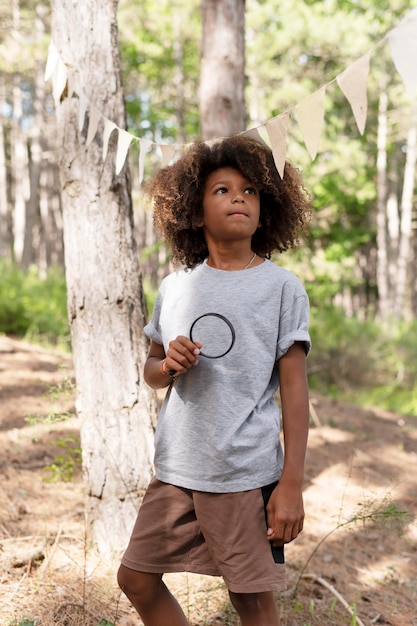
216,334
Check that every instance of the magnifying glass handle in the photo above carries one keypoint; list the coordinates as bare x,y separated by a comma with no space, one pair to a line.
172,373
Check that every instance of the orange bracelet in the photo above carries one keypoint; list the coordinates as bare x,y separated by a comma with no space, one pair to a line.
163,370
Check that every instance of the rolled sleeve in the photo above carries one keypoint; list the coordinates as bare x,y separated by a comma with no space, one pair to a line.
294,325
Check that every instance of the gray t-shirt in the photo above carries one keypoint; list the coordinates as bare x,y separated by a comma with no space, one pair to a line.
218,428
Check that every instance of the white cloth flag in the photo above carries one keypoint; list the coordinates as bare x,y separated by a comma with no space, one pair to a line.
167,151
93,121
108,129
59,80
254,134
277,130
51,61
82,108
144,144
353,83
403,45
123,144
310,115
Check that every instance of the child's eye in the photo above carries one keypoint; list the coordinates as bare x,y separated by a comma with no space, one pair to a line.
251,191
221,190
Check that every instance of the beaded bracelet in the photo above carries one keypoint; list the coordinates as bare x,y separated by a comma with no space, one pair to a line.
163,370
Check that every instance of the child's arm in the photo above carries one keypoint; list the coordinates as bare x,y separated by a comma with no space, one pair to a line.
285,508
181,355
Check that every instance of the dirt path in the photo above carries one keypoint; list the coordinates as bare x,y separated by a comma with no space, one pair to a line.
361,467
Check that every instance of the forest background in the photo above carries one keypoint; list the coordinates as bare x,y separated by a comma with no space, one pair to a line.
359,261
358,264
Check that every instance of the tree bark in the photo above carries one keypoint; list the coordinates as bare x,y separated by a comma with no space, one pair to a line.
105,300
382,273
20,176
222,68
404,252
5,239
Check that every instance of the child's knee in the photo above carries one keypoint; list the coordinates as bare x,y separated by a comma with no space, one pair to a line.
253,603
123,577
138,584
243,602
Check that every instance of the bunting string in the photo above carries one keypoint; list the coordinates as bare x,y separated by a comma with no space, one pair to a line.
309,113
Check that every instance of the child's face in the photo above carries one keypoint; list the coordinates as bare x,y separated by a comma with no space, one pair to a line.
231,206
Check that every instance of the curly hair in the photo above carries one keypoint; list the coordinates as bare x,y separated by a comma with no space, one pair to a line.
177,192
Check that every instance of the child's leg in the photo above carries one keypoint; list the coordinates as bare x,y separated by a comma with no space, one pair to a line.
256,609
151,598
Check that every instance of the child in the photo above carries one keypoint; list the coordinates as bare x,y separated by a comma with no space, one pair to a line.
224,499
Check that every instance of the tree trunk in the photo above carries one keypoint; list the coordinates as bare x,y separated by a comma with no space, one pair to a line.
222,69
105,300
406,216
33,232
179,78
382,273
5,240
20,177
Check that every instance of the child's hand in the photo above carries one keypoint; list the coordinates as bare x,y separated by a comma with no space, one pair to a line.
181,355
285,513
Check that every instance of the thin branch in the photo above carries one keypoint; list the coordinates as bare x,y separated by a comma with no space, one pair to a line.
324,583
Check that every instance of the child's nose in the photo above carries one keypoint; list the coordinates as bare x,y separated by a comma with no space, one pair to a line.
238,197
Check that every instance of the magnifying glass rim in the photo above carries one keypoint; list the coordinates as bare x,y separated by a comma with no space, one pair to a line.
229,324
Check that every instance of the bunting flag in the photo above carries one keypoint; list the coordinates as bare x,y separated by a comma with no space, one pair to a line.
167,152
145,145
309,113
254,133
123,144
59,79
109,127
82,109
93,123
277,130
353,83
403,43
51,62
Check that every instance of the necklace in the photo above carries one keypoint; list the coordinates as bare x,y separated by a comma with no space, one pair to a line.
250,262
244,268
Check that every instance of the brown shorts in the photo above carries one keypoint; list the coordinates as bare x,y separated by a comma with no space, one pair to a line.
218,534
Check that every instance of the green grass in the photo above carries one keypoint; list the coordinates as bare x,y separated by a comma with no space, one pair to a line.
363,361
33,306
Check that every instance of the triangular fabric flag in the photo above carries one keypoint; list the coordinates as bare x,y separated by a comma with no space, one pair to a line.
123,143
59,80
310,114
94,118
167,151
108,129
254,133
353,83
70,85
277,129
403,45
51,61
144,144
82,108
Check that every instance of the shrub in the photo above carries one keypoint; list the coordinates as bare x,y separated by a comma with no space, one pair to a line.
32,306
364,361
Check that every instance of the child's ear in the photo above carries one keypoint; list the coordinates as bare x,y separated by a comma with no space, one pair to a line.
200,223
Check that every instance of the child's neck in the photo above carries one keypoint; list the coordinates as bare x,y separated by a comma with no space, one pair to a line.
233,263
